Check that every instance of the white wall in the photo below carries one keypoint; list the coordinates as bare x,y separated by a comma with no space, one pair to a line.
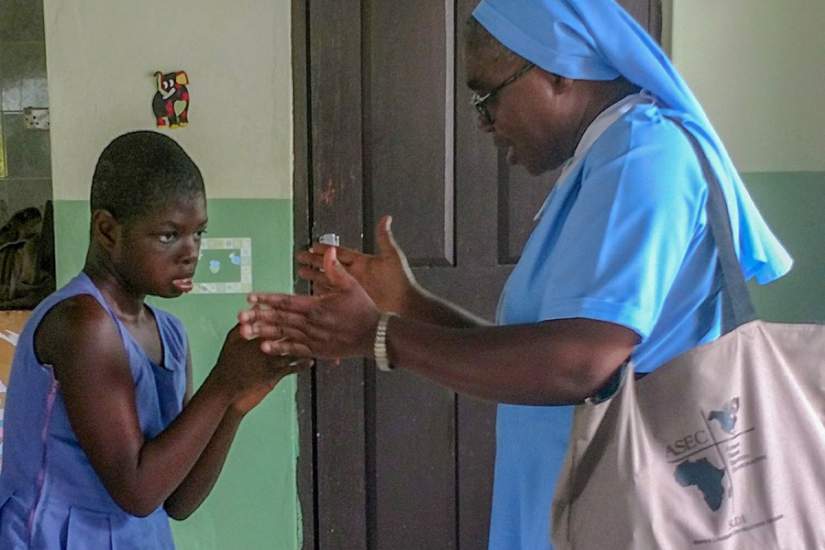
101,57
758,66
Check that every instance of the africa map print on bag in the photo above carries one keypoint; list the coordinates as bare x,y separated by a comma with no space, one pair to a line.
702,473
706,460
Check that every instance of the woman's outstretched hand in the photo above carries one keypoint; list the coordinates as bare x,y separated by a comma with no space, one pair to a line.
339,323
386,276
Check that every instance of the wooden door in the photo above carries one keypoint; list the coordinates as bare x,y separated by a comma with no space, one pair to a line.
383,125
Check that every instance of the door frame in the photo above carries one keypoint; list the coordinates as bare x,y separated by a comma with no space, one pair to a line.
301,215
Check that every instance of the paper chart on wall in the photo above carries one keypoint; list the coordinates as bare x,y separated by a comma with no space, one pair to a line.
225,266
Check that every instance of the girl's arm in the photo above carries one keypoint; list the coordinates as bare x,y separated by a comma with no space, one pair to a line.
202,477
80,340
199,482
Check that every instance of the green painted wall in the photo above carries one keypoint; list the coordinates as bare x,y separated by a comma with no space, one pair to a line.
793,204
749,63
254,505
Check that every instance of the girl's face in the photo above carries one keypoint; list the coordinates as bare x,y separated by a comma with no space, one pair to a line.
157,253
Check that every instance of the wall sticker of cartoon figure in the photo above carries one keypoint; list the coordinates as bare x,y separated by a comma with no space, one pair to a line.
171,102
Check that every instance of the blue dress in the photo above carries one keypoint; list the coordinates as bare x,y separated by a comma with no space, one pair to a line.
622,238
50,496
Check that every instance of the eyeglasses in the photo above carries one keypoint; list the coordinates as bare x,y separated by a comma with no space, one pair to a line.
480,101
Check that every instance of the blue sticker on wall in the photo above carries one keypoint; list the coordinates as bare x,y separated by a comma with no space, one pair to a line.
226,266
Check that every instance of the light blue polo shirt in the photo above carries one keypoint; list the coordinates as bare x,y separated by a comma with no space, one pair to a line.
622,238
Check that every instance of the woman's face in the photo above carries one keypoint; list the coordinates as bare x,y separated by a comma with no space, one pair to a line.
533,118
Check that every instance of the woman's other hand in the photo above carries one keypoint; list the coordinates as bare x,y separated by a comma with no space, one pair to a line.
386,276
340,323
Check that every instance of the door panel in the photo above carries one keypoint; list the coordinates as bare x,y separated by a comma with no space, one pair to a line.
411,177
391,461
409,141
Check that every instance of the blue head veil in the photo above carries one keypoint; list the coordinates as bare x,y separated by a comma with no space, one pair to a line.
599,40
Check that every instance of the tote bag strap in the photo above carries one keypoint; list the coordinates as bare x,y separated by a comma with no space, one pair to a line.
737,307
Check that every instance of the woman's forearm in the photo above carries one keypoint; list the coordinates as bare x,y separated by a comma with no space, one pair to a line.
554,363
424,306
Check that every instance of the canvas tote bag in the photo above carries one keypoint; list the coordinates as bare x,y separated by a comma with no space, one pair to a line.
722,448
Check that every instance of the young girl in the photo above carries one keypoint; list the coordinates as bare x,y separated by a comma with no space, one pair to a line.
103,441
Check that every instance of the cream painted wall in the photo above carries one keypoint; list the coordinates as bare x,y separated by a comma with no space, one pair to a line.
101,57
758,66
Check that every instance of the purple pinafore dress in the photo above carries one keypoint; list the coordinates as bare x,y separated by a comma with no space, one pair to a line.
50,496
